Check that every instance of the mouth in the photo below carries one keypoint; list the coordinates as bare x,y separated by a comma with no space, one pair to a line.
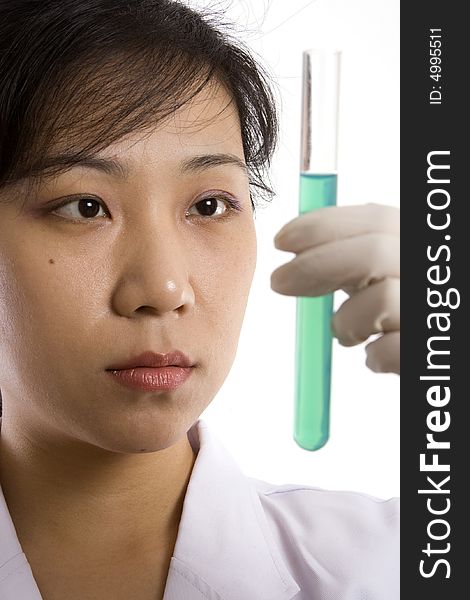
152,379
175,358
150,371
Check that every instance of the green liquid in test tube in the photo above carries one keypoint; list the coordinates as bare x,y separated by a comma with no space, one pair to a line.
318,185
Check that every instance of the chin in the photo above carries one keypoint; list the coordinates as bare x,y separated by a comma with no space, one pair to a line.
142,434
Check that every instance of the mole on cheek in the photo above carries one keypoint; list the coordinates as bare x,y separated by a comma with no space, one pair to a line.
52,261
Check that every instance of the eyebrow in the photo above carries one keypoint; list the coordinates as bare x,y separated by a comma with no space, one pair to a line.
111,166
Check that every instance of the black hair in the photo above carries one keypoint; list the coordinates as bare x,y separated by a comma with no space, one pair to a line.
85,73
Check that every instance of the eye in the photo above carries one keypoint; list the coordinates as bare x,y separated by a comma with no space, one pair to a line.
88,208
214,205
81,209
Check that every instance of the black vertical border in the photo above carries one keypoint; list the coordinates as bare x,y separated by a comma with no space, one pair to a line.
426,128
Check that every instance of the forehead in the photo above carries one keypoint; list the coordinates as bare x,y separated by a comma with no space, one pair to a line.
212,108
204,132
207,124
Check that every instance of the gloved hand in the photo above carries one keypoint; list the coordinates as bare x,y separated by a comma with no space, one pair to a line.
357,249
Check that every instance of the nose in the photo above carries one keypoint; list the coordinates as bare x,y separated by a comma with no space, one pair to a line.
154,272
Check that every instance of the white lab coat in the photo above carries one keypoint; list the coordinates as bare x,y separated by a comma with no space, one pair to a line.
241,538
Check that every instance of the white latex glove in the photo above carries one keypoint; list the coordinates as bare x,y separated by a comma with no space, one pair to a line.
357,249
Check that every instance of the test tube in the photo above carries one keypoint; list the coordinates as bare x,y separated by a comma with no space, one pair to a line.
318,184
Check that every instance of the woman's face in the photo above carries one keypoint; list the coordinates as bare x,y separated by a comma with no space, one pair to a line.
146,268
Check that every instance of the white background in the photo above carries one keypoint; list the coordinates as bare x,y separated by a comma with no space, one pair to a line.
253,412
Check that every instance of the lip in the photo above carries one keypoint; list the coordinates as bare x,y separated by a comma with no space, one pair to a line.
151,379
151,359
151,371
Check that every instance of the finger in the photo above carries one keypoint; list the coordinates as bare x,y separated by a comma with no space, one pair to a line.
337,222
351,264
383,355
375,309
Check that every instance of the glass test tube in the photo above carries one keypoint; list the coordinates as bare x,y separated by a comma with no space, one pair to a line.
318,182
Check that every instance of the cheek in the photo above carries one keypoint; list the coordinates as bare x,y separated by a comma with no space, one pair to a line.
223,284
26,325
226,272
222,288
42,307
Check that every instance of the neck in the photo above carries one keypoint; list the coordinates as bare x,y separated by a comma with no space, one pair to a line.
80,496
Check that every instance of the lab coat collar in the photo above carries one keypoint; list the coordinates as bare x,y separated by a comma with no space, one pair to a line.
224,548
224,540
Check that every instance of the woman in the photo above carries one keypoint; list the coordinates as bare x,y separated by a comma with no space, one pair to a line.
133,137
